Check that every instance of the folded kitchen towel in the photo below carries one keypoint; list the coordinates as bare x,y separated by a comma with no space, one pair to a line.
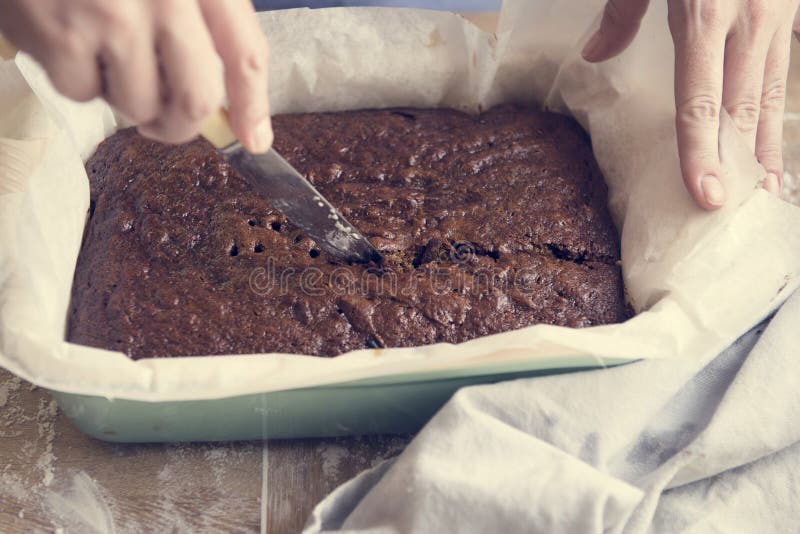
655,446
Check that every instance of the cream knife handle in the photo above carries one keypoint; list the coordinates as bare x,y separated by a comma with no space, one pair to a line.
217,129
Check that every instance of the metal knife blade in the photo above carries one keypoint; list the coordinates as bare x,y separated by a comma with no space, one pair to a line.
288,191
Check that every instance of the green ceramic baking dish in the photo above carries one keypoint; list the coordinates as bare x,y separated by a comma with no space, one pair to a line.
393,405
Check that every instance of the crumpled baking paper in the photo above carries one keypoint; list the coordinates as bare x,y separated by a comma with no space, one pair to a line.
697,280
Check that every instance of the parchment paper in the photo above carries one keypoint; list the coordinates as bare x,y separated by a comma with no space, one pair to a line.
698,280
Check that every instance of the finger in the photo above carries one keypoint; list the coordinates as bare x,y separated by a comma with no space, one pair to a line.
618,27
769,137
699,59
191,86
67,55
745,54
74,68
131,69
243,48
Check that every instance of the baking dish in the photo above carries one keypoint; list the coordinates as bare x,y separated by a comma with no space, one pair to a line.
386,405
679,264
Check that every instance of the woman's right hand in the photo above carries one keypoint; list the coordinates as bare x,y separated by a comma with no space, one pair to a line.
155,61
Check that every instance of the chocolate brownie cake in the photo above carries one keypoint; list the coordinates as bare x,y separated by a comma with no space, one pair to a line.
487,223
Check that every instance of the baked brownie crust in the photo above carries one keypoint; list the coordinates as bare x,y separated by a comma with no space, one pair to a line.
488,223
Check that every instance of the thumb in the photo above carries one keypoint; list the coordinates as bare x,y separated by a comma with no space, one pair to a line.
621,19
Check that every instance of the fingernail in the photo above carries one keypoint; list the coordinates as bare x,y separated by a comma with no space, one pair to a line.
261,138
713,191
772,184
592,47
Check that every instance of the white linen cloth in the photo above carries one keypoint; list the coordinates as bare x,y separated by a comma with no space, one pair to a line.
680,445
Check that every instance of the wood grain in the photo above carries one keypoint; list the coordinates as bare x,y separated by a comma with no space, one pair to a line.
52,476
302,472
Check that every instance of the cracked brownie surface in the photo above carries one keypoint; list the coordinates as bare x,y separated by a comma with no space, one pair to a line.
488,223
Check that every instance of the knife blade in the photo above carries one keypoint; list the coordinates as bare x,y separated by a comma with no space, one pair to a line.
287,190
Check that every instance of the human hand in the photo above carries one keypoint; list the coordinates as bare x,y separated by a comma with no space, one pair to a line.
155,61
728,53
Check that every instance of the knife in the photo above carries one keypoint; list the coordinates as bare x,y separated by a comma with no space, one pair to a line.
285,189
288,191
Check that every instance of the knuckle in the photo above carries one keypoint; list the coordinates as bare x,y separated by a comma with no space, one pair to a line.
71,44
701,108
757,12
696,18
769,153
745,114
696,157
115,20
773,97
708,12
251,63
248,58
196,105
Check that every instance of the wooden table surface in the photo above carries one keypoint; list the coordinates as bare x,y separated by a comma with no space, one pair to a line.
55,479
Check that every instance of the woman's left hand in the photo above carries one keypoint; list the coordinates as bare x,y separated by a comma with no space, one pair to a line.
731,54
